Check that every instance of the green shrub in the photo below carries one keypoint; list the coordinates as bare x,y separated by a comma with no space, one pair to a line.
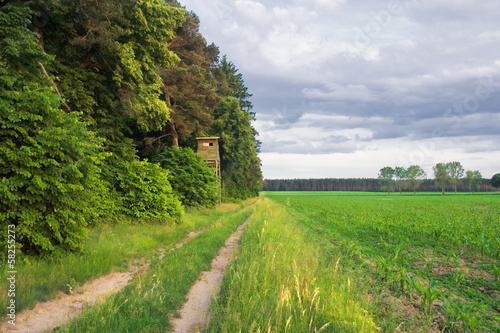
145,192
191,178
48,158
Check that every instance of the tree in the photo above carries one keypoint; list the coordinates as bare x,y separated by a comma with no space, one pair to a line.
473,180
456,173
401,176
107,57
415,175
240,165
189,88
441,175
230,84
385,177
192,179
495,180
49,160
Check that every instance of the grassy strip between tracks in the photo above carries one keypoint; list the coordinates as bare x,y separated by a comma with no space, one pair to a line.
108,248
146,304
287,279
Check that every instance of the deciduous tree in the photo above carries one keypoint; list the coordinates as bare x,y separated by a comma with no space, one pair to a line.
386,178
415,176
401,178
473,180
456,173
49,160
441,175
495,180
192,179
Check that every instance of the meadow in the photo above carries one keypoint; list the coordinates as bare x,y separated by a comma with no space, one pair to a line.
109,248
363,262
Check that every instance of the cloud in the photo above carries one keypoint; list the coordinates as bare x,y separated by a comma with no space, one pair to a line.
336,92
356,79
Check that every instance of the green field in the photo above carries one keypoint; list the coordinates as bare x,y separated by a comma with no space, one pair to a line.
362,262
309,262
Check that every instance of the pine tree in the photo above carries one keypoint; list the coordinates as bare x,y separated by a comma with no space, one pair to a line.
240,164
188,86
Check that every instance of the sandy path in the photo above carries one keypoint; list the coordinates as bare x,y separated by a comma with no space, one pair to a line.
46,316
194,314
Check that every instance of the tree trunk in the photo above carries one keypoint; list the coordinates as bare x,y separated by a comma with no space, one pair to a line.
173,133
39,31
442,190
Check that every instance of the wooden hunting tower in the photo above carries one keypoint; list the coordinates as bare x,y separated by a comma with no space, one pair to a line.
208,149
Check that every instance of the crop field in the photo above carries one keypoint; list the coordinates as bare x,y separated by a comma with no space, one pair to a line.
308,262
365,262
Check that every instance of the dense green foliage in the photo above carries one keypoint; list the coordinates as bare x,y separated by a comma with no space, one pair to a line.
414,177
48,158
230,84
88,87
473,180
239,162
386,176
401,177
146,192
193,181
429,262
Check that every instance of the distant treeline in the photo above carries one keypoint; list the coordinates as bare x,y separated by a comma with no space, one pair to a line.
357,184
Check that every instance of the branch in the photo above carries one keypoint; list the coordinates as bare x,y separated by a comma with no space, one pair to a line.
53,84
161,137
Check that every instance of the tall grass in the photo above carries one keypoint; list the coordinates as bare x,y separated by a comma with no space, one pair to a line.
146,304
285,281
108,248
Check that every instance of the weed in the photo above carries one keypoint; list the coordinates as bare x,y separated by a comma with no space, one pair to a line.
459,315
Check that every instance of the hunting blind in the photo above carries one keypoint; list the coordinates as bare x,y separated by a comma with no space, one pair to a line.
208,149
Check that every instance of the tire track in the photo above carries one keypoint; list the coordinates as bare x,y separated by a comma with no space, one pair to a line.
46,316
194,315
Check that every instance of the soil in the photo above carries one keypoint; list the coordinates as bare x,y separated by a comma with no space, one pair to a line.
46,316
194,315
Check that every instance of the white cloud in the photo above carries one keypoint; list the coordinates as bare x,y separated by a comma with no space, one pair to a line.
336,92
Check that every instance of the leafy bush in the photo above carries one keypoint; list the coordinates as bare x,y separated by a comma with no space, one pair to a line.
192,179
48,158
146,192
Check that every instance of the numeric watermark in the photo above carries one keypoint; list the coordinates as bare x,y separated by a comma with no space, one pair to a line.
11,273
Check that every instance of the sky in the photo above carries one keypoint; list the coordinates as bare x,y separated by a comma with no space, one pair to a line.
344,88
